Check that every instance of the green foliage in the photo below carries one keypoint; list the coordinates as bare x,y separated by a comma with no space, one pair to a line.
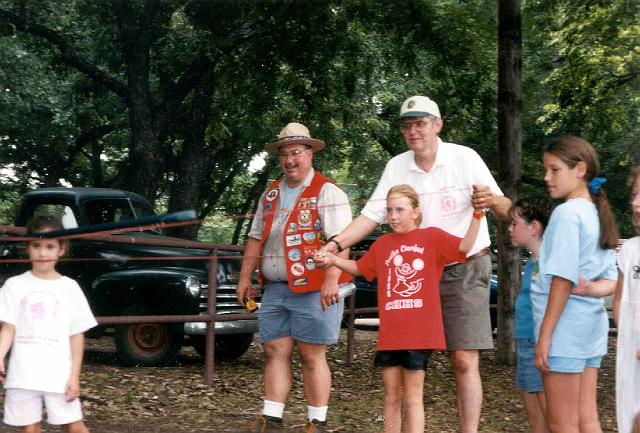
340,67
585,80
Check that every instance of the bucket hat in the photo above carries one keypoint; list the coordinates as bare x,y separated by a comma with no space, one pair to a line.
295,133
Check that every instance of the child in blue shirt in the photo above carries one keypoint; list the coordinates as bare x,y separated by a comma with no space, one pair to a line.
529,218
572,330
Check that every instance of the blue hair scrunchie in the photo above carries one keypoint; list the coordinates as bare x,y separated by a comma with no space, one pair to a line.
595,184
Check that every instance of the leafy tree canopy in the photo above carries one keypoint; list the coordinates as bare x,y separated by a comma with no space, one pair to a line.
173,99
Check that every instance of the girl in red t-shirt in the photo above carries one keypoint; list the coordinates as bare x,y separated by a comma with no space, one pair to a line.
408,264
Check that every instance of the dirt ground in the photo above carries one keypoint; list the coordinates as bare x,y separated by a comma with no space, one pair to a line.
175,400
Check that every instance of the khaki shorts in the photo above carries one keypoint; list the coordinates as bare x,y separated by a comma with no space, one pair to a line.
464,294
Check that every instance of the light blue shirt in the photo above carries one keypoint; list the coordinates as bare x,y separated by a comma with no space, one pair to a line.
524,310
571,248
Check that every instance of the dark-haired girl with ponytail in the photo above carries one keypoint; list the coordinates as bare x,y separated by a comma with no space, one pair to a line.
572,330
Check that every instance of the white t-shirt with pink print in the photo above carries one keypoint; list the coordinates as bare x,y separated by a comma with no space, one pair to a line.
46,313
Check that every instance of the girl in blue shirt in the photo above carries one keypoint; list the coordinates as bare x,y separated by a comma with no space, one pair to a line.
572,329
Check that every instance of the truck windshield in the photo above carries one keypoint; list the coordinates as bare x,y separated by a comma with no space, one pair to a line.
142,209
100,211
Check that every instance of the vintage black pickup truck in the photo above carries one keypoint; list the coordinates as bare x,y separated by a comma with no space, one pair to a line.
116,284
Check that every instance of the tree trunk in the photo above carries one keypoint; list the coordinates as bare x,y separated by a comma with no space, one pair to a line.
509,165
144,169
195,159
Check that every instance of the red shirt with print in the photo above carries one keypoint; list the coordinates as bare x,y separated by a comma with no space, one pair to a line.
408,267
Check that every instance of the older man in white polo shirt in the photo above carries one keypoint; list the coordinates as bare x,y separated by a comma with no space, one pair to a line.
451,179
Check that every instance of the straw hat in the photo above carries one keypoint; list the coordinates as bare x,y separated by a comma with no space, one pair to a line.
295,133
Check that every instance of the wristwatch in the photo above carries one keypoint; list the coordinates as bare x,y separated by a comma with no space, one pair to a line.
332,239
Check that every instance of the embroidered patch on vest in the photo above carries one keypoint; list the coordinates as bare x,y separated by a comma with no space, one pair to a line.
309,237
294,255
310,264
302,281
309,251
272,195
297,269
304,219
294,240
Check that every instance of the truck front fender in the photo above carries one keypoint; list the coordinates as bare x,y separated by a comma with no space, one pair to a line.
153,290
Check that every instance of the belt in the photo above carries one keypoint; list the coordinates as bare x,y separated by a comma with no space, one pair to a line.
480,253
483,252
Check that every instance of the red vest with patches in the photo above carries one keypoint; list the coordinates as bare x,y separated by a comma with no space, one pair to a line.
302,235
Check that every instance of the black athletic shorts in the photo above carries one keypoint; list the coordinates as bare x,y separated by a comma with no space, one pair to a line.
407,359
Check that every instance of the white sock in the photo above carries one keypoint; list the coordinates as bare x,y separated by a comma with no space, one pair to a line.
273,408
317,413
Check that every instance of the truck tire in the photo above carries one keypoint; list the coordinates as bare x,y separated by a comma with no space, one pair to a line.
228,347
148,344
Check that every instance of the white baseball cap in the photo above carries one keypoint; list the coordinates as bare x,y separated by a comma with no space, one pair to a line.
419,106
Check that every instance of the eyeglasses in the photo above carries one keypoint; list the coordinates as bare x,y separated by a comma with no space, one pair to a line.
292,153
419,125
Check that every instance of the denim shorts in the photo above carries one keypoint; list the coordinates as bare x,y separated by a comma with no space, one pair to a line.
528,377
284,313
560,364
407,359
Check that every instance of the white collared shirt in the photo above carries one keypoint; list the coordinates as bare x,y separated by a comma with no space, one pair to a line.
445,190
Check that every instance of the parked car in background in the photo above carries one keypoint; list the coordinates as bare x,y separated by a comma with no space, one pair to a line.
155,275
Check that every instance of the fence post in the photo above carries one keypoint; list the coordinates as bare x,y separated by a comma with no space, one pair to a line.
209,352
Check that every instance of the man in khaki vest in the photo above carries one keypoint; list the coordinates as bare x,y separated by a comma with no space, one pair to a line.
300,304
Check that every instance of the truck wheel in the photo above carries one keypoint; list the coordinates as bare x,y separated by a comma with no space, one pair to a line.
149,344
228,347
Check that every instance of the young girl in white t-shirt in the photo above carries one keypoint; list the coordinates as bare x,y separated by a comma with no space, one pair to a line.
44,315
408,264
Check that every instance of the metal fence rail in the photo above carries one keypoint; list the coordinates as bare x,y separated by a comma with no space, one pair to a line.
212,317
